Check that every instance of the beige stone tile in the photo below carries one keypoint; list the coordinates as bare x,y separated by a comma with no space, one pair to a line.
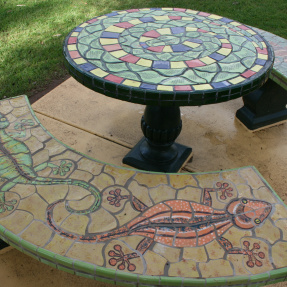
102,181
87,252
179,181
279,254
197,254
162,193
76,223
210,269
184,268
282,224
121,176
268,231
82,204
190,193
151,180
24,190
33,144
155,263
140,192
37,233
101,221
169,253
17,221
59,245
52,193
35,205
214,250
127,214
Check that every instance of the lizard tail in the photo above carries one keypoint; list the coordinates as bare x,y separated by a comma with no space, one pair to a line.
93,190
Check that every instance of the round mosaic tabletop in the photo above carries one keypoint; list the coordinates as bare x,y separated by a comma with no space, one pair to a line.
161,56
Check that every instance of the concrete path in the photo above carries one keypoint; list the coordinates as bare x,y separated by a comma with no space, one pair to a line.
106,129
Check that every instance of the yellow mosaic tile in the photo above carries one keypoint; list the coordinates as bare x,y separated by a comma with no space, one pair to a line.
150,180
279,258
101,221
162,193
186,268
155,263
17,221
165,88
93,167
169,253
120,175
164,31
86,252
36,205
282,225
82,204
198,254
59,245
131,83
140,192
144,62
268,228
202,87
24,190
105,41
168,49
214,250
37,233
119,53
99,72
237,80
102,181
114,29
80,61
51,193
210,269
75,223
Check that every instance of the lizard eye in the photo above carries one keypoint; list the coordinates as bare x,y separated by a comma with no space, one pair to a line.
257,220
3,119
244,200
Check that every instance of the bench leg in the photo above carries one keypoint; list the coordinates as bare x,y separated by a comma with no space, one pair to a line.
3,244
264,107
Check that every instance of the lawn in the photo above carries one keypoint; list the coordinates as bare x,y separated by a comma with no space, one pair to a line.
32,32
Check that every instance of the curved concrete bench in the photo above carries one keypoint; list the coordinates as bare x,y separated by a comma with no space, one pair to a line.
134,228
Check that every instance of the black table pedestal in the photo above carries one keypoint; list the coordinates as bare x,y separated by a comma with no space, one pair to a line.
157,151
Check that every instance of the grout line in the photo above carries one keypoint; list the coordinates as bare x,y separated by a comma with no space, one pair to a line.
123,144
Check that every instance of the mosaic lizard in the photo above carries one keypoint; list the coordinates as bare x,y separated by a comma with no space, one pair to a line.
178,223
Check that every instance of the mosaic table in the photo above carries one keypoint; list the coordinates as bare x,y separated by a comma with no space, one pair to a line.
130,227
165,58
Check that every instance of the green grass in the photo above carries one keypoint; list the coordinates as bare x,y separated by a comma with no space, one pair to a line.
31,36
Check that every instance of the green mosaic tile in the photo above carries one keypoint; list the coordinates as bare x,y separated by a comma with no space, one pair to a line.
13,238
83,266
68,270
278,273
171,281
149,280
126,276
29,246
64,261
31,254
82,274
105,272
194,282
105,280
237,280
210,282
48,263
45,253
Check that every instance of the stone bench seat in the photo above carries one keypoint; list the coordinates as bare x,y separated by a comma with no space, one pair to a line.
131,227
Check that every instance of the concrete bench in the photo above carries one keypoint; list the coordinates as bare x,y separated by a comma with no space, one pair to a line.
130,227
268,106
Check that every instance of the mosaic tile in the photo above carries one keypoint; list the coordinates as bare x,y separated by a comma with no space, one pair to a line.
177,228
168,45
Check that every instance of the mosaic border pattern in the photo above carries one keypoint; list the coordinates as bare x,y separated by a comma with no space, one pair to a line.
104,81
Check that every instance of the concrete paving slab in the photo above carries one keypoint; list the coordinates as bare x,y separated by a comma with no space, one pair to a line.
84,142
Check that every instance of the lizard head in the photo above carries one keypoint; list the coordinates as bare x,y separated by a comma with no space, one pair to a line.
248,213
4,123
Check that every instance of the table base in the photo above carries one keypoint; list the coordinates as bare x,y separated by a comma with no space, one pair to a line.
135,159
